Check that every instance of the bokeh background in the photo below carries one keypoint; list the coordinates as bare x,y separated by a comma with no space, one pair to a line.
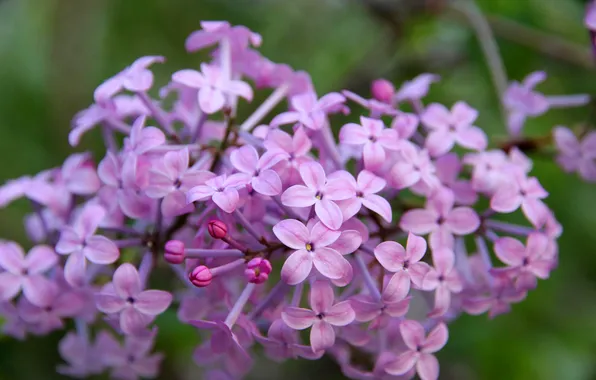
53,53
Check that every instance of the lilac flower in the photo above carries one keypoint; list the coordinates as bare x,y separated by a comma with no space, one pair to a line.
394,302
142,139
309,111
222,190
366,187
375,106
522,101
521,191
416,88
262,179
213,87
525,263
132,360
319,191
82,244
296,147
420,350
12,324
79,175
448,169
448,128
25,272
413,167
575,155
136,78
52,307
394,258
81,356
171,179
311,246
374,139
215,31
324,315
441,220
283,343
444,279
136,308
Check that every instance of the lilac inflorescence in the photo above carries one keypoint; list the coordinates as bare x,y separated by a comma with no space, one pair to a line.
372,239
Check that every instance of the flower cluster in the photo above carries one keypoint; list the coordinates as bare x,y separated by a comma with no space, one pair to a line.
372,235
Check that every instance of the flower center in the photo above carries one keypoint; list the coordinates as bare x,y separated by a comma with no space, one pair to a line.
319,195
130,300
309,247
321,316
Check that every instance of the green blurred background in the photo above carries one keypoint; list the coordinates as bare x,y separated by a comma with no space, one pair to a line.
53,53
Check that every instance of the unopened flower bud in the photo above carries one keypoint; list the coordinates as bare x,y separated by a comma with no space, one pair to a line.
382,90
200,276
257,270
174,252
217,229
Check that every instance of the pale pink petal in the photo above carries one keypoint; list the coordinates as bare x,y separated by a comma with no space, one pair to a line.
313,175
397,288
439,142
412,333
427,367
348,242
330,263
245,159
510,251
211,100
200,193
75,269
565,140
419,221
321,236
462,220
227,200
403,363
240,88
535,210
292,233
353,134
297,267
298,196
267,183
153,302
10,285
390,255
322,336
364,308
506,199
285,118
329,213
101,250
379,205
109,303
369,183
339,188
441,238
373,155
472,138
541,268
403,175
133,322
190,78
436,116
463,115
442,302
298,318
340,314
12,258
415,247
90,217
70,241
389,139
126,280
321,297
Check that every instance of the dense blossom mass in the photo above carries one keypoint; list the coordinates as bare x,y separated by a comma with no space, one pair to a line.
371,236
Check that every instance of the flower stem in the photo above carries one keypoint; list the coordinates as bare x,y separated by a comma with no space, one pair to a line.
203,253
368,280
273,100
276,292
247,226
239,305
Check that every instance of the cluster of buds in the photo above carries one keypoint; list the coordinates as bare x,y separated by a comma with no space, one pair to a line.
392,227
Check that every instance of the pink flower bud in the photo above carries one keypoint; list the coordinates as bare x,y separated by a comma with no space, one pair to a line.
174,252
257,270
200,276
217,229
382,90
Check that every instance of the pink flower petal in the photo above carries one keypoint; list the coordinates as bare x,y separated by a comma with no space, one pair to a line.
415,247
379,205
462,220
353,134
109,303
340,314
506,199
240,88
397,288
321,296
322,336
535,210
364,308
245,159
126,281
412,333
101,250
75,269
427,367
330,263
152,302
403,175
190,78
292,233
348,242
298,318
227,200
211,100
510,251
419,221
321,236
390,255
298,196
403,363
313,175
370,183
472,138
373,155
12,258
10,285
329,213
200,193
439,142
297,267
133,322
267,183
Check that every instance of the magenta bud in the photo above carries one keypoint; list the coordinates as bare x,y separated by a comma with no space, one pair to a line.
382,90
217,229
174,252
257,270
200,276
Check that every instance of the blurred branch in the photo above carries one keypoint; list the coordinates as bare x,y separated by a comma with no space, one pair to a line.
551,45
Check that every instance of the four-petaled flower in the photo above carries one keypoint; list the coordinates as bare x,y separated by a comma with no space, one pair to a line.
124,295
323,316
366,187
222,190
394,258
283,343
320,191
575,155
311,246
258,170
309,111
443,279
